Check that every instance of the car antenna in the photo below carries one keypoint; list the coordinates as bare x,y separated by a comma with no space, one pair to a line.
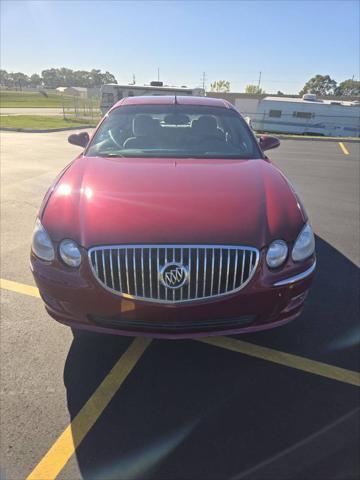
176,102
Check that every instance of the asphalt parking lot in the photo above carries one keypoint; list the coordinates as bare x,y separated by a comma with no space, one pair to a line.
280,404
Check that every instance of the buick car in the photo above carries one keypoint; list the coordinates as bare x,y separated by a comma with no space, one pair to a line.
172,222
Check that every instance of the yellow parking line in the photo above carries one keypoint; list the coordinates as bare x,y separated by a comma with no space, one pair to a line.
64,447
19,288
344,149
268,354
286,359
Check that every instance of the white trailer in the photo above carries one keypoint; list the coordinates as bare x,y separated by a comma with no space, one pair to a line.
307,115
112,92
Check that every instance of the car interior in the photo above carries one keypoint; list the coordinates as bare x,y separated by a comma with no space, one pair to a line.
148,132
167,132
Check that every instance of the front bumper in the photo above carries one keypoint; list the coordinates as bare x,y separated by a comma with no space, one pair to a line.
75,298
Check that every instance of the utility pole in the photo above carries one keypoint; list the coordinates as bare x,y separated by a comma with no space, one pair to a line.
259,81
203,81
134,80
158,74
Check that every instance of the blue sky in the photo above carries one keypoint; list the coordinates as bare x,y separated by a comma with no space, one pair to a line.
289,41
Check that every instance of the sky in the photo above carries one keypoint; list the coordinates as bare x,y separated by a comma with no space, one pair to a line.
287,41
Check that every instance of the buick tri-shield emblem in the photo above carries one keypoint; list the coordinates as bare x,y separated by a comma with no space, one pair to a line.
173,275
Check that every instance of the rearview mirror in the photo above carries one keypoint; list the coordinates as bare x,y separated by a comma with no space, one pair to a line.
80,139
267,143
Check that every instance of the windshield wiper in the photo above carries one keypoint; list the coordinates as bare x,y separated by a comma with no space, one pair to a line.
110,155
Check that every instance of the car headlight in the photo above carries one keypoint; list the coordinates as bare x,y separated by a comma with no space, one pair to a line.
276,254
304,246
41,243
70,253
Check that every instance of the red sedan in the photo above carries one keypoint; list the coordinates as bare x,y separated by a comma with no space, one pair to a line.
172,223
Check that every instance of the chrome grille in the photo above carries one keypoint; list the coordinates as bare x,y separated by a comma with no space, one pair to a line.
133,271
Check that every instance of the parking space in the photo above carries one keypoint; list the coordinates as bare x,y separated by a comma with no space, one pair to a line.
280,404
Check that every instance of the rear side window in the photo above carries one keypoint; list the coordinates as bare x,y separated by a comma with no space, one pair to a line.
183,131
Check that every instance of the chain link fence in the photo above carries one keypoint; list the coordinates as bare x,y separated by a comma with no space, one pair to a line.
79,108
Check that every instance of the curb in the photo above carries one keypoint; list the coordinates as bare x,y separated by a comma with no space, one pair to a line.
316,139
49,130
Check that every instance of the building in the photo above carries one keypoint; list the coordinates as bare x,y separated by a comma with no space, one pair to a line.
327,116
113,92
307,116
73,91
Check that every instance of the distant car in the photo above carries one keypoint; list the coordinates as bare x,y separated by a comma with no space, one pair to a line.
172,223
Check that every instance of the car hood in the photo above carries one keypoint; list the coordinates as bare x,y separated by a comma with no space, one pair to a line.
194,201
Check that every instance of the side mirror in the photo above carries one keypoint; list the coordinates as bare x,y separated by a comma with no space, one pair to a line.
80,139
267,143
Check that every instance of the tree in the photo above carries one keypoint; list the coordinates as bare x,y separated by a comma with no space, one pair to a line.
254,90
108,77
220,86
81,78
65,77
51,78
20,80
320,85
95,77
35,80
348,87
4,78
57,77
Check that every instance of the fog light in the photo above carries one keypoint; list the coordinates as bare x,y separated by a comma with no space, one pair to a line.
295,302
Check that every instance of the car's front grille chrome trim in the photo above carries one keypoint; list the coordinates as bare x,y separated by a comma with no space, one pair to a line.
133,271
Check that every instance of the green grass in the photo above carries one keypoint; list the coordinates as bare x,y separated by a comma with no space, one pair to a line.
10,99
39,122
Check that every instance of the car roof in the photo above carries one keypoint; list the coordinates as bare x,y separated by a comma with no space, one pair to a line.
172,99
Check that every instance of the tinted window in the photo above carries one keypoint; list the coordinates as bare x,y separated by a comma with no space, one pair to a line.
174,131
303,114
275,113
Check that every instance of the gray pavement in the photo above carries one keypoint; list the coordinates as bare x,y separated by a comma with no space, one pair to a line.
188,410
328,182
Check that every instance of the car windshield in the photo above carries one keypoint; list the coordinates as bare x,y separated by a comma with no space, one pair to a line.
180,131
